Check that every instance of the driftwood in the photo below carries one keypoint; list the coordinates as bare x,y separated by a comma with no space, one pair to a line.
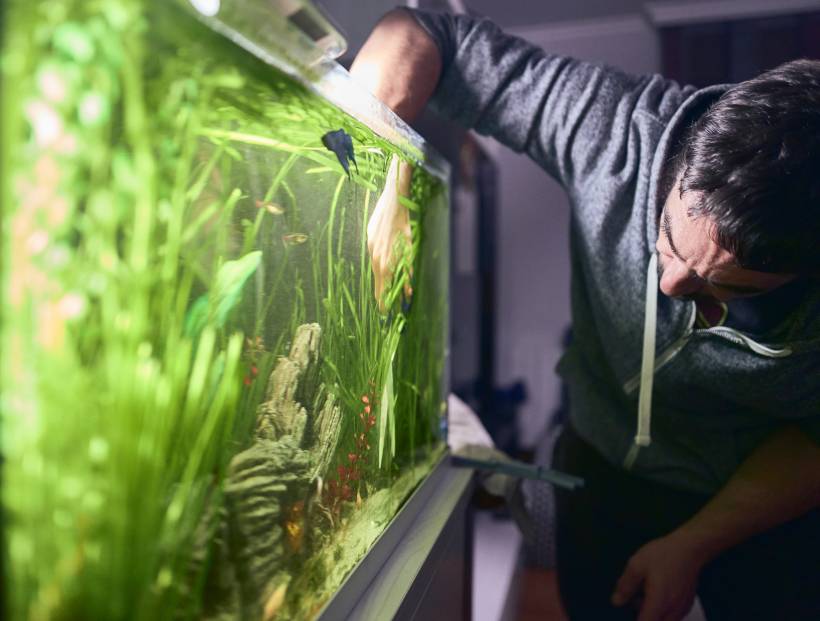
261,528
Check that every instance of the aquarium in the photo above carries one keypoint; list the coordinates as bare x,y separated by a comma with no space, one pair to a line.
224,315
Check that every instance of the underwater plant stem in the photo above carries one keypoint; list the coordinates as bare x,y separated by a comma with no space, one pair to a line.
258,140
330,225
137,132
269,194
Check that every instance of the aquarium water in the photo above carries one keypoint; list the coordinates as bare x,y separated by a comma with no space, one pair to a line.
207,410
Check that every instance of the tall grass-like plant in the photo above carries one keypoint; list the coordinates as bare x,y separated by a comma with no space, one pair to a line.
170,218
114,419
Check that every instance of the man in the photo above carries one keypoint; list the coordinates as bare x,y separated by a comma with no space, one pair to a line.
715,488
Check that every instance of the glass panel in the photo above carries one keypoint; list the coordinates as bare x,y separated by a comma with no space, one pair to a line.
206,411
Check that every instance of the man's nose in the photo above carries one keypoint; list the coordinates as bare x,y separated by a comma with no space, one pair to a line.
677,280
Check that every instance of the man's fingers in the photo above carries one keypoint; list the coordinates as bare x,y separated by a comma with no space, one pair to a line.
679,610
408,285
654,605
389,234
378,287
628,585
676,615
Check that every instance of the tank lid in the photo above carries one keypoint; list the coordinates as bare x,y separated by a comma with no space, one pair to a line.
304,47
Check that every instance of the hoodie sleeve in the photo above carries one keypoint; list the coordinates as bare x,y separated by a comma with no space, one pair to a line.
573,118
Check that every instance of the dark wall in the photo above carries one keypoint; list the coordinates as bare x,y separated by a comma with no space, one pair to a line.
733,51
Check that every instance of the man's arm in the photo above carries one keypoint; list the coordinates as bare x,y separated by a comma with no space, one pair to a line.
573,118
399,63
778,482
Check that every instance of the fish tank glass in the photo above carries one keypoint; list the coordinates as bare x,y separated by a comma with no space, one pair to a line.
214,400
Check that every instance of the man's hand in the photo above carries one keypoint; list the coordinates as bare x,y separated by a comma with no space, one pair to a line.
388,231
399,64
778,481
661,579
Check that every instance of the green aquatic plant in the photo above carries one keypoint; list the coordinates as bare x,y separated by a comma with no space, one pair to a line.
214,308
171,222
110,411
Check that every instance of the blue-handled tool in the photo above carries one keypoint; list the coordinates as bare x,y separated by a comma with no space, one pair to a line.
521,470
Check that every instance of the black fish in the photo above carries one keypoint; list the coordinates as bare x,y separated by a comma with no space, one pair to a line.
341,144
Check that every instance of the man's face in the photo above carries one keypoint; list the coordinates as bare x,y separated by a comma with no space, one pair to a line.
693,266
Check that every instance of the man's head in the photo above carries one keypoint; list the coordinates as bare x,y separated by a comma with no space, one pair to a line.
743,216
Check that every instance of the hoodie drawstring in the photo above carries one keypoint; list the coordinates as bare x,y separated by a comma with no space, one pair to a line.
643,437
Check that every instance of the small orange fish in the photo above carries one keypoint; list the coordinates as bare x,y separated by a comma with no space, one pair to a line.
294,526
254,347
297,510
295,535
274,208
294,239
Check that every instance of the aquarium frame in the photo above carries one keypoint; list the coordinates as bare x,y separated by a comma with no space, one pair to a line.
377,586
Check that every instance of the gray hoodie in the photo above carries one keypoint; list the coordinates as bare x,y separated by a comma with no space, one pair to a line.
606,136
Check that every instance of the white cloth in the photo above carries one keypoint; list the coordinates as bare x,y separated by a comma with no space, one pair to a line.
467,437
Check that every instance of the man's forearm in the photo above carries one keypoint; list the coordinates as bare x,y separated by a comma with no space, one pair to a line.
399,63
778,482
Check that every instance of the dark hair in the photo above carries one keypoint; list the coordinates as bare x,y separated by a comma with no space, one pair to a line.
755,157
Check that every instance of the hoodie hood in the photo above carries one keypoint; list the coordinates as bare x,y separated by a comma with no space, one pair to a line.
668,144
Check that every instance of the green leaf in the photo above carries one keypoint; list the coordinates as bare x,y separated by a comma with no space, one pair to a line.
386,412
197,316
230,279
71,39
214,307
